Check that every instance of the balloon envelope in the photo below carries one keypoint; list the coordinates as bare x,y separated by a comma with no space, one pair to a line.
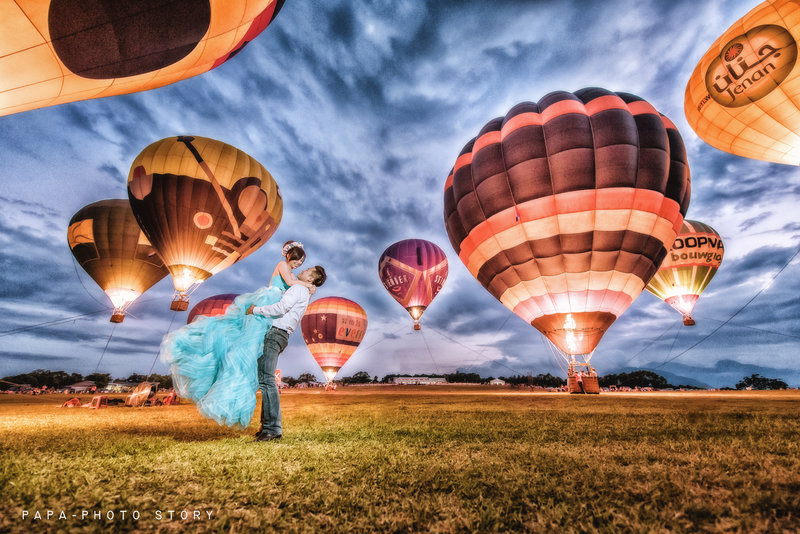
58,51
688,268
211,306
332,328
744,95
107,242
203,204
413,272
564,209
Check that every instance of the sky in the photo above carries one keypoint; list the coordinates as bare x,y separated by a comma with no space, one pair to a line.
359,110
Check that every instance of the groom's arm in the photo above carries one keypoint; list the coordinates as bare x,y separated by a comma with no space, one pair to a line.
289,299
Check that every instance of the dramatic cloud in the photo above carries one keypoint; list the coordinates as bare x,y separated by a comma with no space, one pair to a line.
359,110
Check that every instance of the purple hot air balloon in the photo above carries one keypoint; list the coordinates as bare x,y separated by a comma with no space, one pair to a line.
413,271
212,306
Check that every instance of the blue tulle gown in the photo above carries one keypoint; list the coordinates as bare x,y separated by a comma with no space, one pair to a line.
214,360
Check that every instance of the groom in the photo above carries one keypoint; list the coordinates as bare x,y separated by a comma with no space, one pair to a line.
287,313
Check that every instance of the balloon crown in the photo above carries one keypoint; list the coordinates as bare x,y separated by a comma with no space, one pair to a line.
289,246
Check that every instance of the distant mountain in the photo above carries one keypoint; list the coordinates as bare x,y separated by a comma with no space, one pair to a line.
723,373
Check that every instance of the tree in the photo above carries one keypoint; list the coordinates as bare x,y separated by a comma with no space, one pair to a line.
361,377
43,377
635,379
289,381
459,377
756,381
306,377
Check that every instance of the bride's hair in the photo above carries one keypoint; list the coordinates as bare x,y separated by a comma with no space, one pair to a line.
293,250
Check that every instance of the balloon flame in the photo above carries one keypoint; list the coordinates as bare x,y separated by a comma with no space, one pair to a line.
121,298
572,339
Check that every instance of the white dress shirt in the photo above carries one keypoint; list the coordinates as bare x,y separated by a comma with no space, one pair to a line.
289,310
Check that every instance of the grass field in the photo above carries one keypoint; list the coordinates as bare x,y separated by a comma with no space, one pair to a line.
411,459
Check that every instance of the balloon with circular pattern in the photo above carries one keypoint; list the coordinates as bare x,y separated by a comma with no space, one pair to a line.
204,205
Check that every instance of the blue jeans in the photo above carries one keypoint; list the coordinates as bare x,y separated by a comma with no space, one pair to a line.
274,342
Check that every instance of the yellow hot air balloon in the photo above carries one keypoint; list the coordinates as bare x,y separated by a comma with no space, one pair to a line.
107,242
57,51
204,205
688,267
743,96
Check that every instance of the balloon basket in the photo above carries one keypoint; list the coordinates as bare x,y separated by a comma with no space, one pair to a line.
179,305
582,382
417,326
586,385
688,321
117,317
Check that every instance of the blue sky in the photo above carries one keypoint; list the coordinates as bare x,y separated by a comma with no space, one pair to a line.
359,110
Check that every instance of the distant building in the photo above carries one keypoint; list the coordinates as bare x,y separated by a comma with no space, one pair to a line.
82,387
418,381
497,382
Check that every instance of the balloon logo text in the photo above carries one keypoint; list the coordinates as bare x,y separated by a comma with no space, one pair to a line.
750,66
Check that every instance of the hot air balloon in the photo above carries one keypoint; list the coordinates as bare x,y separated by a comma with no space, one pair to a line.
107,242
413,272
744,95
689,266
564,209
204,205
61,51
332,328
211,306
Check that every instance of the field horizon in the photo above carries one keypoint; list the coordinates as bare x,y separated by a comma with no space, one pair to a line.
411,458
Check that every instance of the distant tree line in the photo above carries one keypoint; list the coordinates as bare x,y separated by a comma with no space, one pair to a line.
62,379
640,379
757,381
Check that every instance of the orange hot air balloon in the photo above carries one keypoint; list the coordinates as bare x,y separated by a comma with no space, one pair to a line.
58,51
211,306
204,205
688,268
413,272
107,242
744,95
564,209
332,328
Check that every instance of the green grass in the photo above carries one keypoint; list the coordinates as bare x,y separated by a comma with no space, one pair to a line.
414,459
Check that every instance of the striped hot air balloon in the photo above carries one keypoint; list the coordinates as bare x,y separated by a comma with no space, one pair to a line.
413,272
744,95
211,306
107,242
332,328
689,266
564,209
204,205
57,51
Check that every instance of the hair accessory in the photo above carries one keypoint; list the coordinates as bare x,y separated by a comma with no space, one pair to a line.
289,246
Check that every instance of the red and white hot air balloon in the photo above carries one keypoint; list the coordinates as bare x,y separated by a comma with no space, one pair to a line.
413,272
211,306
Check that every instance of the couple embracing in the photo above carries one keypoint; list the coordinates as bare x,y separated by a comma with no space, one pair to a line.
219,362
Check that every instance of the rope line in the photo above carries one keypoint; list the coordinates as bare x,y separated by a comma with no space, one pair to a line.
766,286
106,347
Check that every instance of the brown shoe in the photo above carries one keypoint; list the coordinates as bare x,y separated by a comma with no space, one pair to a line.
263,436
